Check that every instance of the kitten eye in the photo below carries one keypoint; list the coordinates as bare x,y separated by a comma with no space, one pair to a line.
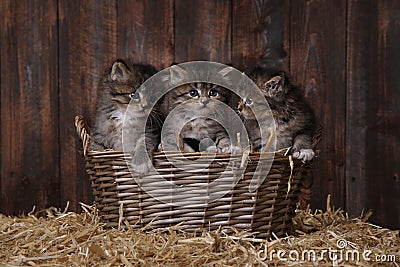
213,93
249,101
193,93
134,96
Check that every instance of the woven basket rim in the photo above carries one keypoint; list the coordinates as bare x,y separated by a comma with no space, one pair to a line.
84,134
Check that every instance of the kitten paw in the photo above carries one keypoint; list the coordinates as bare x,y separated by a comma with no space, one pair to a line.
160,147
187,148
304,154
93,146
212,149
232,150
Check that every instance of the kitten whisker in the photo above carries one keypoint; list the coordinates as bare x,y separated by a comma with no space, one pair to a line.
155,118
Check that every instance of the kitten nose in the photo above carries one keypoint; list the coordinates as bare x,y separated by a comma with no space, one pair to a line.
143,105
204,101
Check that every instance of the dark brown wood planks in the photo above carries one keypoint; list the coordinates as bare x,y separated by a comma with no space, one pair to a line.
373,115
257,33
317,62
385,179
39,159
202,31
146,31
29,101
88,38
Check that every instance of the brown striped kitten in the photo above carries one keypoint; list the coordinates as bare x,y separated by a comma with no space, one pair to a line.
295,120
201,99
118,88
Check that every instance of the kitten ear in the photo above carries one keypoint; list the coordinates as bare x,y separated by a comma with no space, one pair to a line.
176,75
224,76
275,85
119,71
225,72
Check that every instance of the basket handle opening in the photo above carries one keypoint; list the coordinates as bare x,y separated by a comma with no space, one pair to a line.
82,130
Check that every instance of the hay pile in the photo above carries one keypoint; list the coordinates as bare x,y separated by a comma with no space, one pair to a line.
64,238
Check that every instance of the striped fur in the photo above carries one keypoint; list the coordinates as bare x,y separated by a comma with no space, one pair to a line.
295,120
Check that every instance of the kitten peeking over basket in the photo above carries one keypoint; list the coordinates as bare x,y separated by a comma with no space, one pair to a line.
295,120
202,133
196,110
118,88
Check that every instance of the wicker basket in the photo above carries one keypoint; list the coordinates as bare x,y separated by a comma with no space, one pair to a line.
267,210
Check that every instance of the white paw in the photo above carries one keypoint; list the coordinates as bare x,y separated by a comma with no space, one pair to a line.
232,150
95,146
160,147
212,149
304,154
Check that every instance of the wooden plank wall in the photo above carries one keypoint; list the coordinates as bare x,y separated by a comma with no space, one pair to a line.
317,61
29,105
344,53
373,117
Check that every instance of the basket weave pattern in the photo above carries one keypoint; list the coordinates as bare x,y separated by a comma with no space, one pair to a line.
118,196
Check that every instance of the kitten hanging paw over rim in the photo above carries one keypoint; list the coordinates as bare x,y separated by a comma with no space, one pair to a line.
305,154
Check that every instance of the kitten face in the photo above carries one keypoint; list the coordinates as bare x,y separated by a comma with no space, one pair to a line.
199,97
125,79
272,86
203,101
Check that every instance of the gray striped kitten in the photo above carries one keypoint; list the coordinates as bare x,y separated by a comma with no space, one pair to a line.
202,133
118,88
295,120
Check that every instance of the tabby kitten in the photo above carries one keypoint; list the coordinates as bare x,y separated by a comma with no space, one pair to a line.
295,120
201,133
119,86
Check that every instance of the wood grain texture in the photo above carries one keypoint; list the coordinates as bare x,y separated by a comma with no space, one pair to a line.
88,37
203,31
344,53
385,154
361,68
257,33
146,31
317,62
29,100
373,119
